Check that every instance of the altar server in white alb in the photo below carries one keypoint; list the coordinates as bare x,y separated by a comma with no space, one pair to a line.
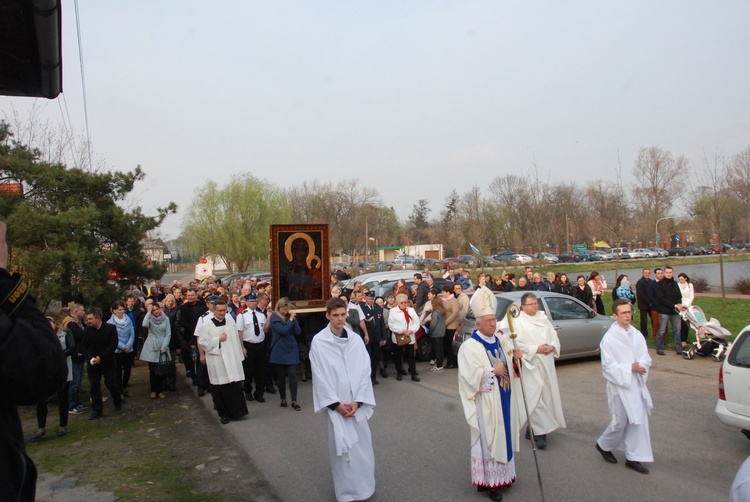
342,392
540,346
625,364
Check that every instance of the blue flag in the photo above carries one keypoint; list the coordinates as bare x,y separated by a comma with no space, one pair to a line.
473,248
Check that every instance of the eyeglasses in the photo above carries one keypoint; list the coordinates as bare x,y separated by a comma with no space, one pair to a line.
530,304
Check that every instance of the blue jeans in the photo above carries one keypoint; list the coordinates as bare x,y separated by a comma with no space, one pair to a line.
676,322
74,393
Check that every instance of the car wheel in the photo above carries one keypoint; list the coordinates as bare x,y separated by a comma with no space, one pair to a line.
424,349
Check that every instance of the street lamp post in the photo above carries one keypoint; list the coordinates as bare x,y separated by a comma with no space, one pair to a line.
656,228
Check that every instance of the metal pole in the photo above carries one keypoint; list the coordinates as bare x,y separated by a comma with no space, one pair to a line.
511,313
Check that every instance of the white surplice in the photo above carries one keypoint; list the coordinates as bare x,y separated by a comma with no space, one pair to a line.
223,359
627,395
539,376
341,373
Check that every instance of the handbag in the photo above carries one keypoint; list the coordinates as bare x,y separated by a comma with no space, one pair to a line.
165,366
402,340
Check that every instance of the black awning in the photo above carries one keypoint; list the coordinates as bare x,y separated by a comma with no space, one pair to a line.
31,48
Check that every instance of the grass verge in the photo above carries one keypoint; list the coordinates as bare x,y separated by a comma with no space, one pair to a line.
157,450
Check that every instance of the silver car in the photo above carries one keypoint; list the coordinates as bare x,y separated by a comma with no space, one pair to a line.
733,405
579,328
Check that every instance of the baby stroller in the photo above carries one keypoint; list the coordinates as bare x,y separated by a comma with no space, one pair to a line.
711,338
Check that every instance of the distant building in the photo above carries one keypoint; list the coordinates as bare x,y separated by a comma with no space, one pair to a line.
155,250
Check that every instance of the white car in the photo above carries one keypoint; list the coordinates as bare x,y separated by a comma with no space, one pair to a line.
641,253
523,259
733,406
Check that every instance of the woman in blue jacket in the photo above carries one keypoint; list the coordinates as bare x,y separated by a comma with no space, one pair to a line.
125,341
284,350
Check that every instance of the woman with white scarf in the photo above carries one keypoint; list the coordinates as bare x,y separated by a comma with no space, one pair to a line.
125,341
156,344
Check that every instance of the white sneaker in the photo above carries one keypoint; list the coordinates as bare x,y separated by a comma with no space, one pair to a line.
432,362
436,369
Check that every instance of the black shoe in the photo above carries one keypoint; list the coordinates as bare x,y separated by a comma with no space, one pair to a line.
201,392
125,393
679,353
482,489
606,455
118,407
270,390
399,377
283,403
416,373
249,397
636,466
95,416
225,420
375,382
496,495
541,441
660,352
383,373
260,399
415,378
403,373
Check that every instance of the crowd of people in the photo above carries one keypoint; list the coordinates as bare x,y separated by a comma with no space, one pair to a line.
238,347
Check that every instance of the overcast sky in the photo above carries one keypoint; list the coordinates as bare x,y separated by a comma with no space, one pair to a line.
414,98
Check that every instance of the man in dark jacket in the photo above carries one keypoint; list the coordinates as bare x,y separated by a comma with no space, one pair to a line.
99,344
643,289
669,297
32,367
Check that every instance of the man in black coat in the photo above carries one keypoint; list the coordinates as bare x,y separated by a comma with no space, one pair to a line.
32,367
643,290
99,344
669,296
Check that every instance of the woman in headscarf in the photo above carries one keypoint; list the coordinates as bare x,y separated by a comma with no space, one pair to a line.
156,345
284,349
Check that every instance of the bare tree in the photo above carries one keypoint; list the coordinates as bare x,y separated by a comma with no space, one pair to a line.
656,182
740,184
709,199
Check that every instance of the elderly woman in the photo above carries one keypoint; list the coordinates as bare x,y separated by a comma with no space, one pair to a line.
284,350
403,320
156,344
124,354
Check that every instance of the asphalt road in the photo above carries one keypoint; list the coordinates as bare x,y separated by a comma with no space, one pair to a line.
422,441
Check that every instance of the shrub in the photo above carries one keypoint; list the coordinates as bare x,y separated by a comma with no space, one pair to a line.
742,285
700,284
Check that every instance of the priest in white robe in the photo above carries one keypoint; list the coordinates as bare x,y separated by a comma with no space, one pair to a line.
342,393
221,343
485,378
625,364
538,342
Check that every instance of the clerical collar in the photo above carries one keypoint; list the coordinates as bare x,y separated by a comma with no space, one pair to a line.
488,339
217,322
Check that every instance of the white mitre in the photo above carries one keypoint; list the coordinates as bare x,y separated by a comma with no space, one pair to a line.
483,302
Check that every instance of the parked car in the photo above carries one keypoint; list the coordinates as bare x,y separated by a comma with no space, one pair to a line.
579,328
386,265
640,253
678,251
427,263
503,255
404,259
621,253
569,257
489,261
548,257
467,259
716,248
338,264
589,255
362,264
733,406
523,259
661,252
651,252
603,254
450,261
